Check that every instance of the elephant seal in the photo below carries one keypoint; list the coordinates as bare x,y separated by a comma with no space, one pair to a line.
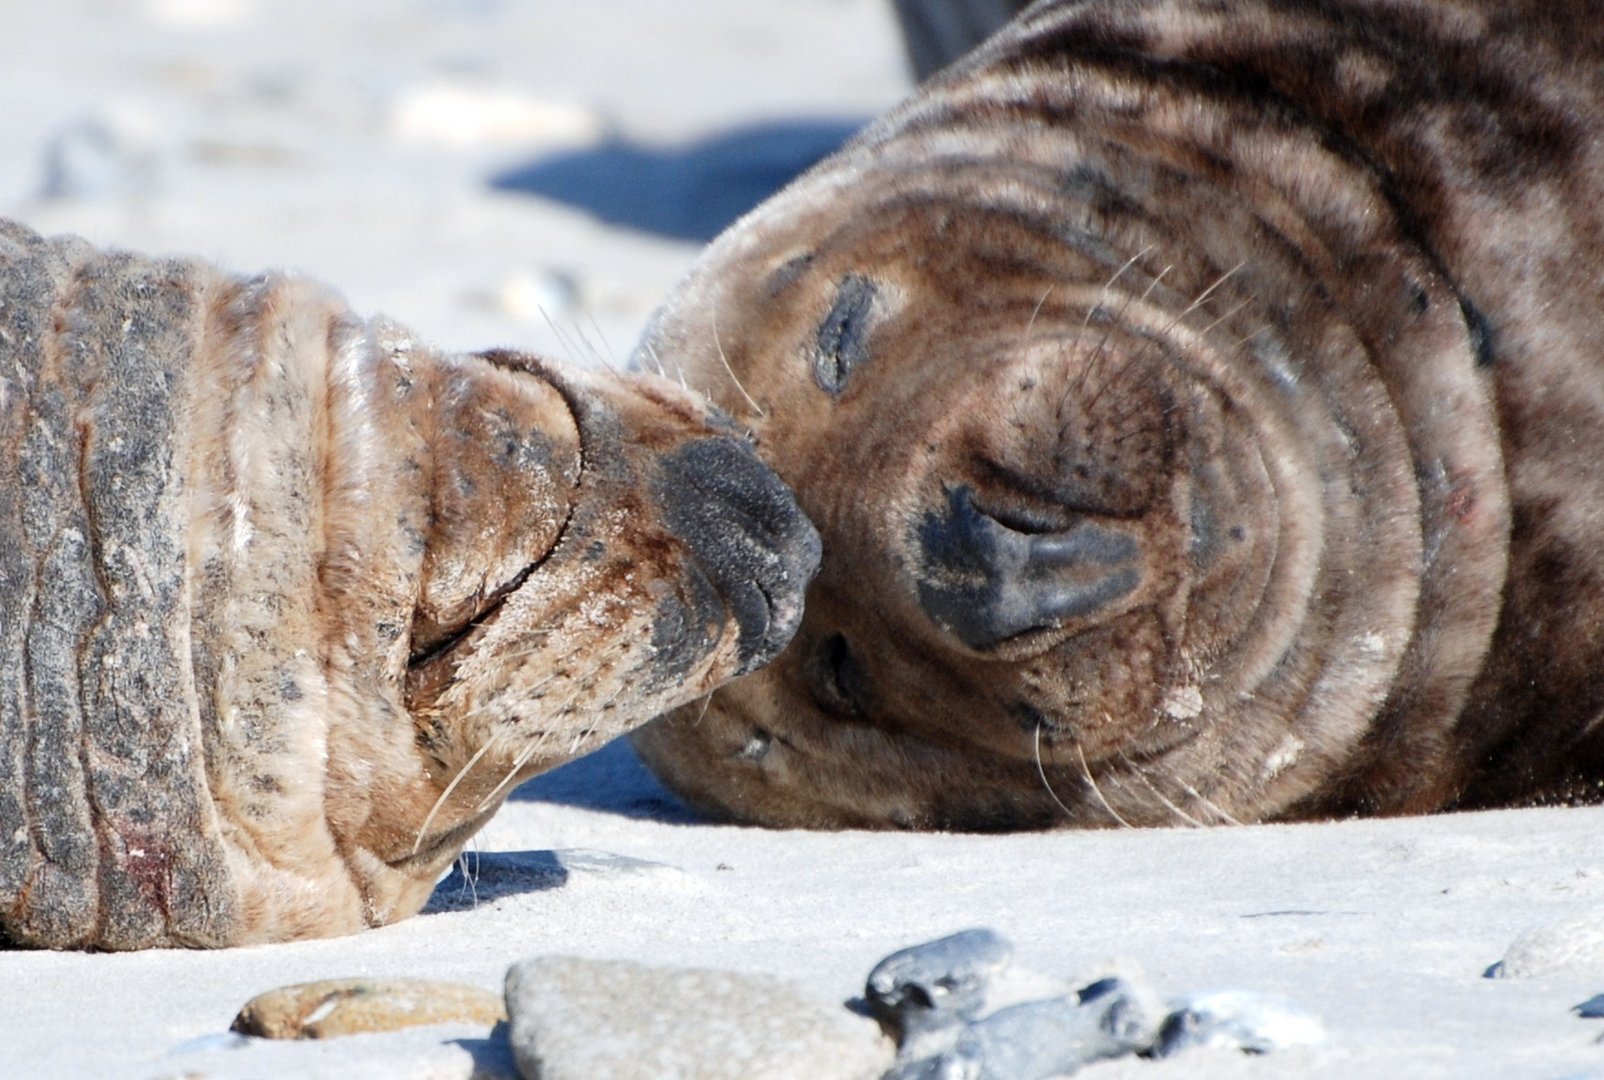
1201,404
291,601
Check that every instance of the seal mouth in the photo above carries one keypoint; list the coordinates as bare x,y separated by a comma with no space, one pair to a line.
989,577
432,846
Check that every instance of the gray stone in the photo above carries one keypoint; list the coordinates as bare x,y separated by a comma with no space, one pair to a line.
575,1019
925,992
1039,1039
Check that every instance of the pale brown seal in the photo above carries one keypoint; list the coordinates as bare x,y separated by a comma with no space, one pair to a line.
290,601
1201,404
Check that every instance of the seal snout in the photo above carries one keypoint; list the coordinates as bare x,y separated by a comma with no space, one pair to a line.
748,536
986,581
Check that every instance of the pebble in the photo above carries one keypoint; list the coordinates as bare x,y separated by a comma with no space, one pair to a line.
334,1007
576,1019
1042,1039
932,987
1569,944
947,1003
110,155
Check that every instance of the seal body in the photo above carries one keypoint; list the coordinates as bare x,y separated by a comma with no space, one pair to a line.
1200,405
289,601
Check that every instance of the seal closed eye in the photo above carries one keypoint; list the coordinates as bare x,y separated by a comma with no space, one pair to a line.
843,338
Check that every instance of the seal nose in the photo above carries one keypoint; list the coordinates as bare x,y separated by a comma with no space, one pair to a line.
986,581
747,534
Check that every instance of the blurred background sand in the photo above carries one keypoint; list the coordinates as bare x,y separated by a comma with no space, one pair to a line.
530,173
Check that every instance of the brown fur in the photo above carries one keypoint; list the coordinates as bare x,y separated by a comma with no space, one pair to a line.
1199,402
291,601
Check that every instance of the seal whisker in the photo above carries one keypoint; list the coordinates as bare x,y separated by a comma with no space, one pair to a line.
725,360
1086,322
1100,350
584,682
1030,324
1109,284
1205,330
1047,784
589,349
562,336
1091,781
657,361
1141,774
470,878
1220,812
707,700
601,335
428,819
1241,341
518,762
1201,298
1076,385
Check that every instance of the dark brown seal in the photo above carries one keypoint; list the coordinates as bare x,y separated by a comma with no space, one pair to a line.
1201,404
290,601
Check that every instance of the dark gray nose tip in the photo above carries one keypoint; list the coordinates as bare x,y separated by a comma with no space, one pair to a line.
748,536
986,582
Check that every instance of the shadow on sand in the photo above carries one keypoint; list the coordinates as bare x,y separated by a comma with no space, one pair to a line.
688,192
611,780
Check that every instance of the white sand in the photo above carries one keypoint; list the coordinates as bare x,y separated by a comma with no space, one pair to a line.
310,135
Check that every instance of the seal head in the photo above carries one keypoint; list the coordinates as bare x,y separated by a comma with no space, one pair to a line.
292,600
1151,395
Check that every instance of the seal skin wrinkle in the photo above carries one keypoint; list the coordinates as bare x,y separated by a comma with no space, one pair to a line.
289,601
1200,402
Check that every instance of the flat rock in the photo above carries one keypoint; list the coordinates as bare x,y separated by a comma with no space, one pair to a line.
333,1007
575,1019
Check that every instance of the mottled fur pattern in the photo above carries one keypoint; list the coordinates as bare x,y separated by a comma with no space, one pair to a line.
1199,401
291,600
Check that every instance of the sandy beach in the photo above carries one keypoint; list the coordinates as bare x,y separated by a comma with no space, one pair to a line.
538,175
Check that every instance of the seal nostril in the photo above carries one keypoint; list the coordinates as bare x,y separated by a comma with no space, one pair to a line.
986,581
748,536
